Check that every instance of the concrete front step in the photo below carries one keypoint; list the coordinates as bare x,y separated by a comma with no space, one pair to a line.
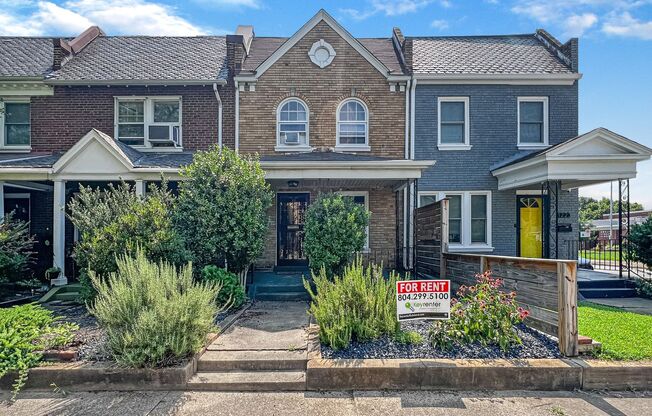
249,381
263,360
606,284
280,288
608,293
283,296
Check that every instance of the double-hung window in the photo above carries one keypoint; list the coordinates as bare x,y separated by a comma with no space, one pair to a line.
361,198
453,130
292,125
149,122
469,218
352,126
532,122
15,125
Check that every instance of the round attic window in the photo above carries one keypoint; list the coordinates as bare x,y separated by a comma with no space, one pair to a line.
321,53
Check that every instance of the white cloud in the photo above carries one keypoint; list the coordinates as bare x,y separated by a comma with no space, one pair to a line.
627,26
575,17
575,25
439,24
251,4
114,17
386,7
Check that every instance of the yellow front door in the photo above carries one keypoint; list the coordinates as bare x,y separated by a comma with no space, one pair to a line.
531,230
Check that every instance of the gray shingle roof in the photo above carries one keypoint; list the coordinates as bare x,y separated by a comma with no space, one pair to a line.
511,54
126,58
25,57
28,161
262,48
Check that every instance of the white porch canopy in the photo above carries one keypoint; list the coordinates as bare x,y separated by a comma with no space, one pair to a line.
591,158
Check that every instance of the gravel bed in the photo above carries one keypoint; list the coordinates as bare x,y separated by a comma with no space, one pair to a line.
535,345
90,340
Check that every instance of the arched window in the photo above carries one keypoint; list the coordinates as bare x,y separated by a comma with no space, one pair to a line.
352,124
292,123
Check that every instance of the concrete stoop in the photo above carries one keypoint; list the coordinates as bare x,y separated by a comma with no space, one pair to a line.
264,370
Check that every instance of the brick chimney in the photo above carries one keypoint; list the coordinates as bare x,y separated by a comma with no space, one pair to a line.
237,47
61,51
568,52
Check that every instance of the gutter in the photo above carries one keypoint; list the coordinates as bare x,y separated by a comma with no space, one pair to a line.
219,115
412,116
136,82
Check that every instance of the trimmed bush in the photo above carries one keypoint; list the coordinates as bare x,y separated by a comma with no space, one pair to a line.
640,238
335,229
16,253
359,305
115,221
26,331
222,209
232,294
153,314
481,313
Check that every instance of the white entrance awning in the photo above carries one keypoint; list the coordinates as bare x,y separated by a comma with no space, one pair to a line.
594,157
396,169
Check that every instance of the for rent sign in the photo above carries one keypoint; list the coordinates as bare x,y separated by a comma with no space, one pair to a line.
423,299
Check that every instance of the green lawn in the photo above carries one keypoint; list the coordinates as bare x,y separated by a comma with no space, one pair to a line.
624,335
605,255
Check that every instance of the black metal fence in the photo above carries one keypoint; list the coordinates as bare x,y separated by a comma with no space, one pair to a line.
608,255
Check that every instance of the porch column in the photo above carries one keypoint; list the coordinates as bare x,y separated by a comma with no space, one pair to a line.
59,231
2,200
140,188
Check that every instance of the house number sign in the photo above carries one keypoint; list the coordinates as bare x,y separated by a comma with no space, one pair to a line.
423,299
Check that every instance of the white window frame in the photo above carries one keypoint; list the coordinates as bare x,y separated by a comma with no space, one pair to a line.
466,245
467,124
148,120
352,147
545,137
282,147
4,148
365,194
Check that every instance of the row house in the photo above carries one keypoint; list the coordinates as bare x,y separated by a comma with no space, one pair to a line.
489,122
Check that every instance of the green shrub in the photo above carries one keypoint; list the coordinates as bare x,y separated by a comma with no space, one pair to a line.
359,305
481,313
644,288
232,294
335,229
25,331
222,209
640,238
115,221
153,314
15,250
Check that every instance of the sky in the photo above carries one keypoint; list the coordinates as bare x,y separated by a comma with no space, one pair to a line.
615,39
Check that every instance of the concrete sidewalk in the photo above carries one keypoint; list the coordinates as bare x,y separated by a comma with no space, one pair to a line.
412,403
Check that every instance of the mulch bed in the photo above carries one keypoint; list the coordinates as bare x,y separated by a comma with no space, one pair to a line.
535,345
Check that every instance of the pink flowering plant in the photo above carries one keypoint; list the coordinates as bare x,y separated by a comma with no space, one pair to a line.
480,313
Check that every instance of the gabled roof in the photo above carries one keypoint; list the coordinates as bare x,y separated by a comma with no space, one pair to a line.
120,59
508,55
270,50
25,57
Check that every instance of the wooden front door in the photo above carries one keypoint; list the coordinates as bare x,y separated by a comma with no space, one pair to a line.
530,212
291,213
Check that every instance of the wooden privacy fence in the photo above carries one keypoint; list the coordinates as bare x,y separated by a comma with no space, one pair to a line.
548,288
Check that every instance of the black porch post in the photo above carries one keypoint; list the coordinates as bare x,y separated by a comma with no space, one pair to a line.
620,228
414,226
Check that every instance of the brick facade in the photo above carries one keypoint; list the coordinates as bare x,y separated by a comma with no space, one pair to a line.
59,121
349,75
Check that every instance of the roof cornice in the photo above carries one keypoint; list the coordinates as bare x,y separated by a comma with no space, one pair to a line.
127,82
508,79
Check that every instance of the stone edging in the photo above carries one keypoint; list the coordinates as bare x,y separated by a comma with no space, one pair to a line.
471,374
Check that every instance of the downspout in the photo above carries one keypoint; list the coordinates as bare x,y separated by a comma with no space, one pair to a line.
412,116
405,190
219,115
237,117
407,119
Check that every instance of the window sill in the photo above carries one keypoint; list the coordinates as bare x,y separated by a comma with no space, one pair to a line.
454,147
352,148
15,149
469,249
533,146
158,149
300,148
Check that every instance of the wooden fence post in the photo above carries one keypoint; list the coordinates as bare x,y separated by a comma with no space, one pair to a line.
444,238
568,332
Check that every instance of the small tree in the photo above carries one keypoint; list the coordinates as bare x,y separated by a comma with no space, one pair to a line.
335,229
222,209
640,238
117,221
16,246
